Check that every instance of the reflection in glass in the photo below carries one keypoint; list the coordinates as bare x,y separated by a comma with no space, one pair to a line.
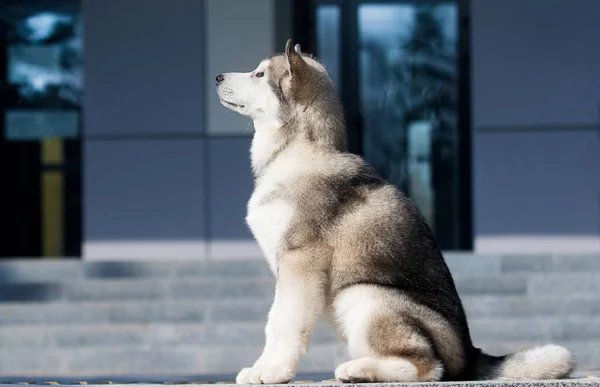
409,92
328,40
40,126
45,60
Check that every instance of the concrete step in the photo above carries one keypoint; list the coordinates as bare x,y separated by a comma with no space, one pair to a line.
207,359
555,263
137,289
222,310
134,311
531,306
69,270
535,329
557,285
143,336
461,264
119,312
541,329
212,288
124,360
494,265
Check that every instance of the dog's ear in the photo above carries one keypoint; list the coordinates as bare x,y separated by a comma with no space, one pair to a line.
296,65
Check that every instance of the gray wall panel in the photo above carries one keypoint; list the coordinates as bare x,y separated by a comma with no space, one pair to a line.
240,34
144,191
535,62
538,183
536,101
143,67
230,187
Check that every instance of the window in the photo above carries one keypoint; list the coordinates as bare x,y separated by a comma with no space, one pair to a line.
402,71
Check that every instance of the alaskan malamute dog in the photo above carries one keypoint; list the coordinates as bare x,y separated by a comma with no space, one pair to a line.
343,242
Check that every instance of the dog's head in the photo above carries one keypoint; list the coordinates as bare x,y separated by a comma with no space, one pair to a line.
276,88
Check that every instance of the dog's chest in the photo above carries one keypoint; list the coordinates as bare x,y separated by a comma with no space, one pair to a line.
269,219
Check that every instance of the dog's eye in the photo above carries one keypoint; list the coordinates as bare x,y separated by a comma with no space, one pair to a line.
260,74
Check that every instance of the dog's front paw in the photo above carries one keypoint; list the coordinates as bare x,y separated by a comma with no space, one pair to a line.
265,375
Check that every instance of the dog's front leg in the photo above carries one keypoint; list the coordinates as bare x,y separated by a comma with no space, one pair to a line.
299,300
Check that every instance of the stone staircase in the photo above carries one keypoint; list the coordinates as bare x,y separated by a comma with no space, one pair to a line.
85,319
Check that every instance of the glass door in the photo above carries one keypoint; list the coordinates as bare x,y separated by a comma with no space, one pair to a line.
402,71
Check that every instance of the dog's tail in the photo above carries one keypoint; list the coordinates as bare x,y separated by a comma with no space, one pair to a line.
539,363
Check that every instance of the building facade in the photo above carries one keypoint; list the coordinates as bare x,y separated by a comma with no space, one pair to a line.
115,152
143,163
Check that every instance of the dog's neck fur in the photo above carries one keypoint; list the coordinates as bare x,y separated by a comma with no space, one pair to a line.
267,143
310,124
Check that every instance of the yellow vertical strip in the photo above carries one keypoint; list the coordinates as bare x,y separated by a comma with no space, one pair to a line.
52,196
52,151
52,213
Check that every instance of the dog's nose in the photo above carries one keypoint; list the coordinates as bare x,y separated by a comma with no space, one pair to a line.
220,78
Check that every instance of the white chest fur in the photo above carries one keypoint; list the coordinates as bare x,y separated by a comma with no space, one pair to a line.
269,221
270,218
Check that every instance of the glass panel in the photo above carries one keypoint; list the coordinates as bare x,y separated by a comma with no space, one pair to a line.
328,40
41,53
408,95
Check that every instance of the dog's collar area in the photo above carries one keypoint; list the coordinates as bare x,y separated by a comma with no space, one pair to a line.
232,104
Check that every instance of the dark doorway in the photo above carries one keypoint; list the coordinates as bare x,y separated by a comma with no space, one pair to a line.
40,126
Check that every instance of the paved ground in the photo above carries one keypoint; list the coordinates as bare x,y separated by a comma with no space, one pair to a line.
320,380
590,382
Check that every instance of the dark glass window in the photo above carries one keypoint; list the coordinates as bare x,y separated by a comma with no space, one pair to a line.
402,71
41,83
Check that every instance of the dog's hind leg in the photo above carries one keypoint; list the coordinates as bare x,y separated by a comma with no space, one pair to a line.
386,344
390,369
